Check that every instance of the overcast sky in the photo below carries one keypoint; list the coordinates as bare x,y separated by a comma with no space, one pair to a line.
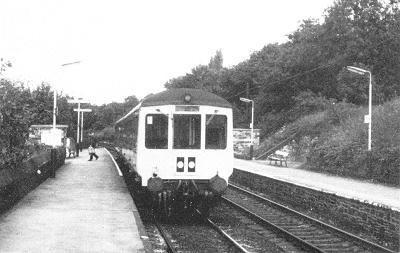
131,47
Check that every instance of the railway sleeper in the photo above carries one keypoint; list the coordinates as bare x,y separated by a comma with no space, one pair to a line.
311,236
300,228
318,241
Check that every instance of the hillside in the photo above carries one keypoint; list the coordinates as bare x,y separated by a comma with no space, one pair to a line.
334,141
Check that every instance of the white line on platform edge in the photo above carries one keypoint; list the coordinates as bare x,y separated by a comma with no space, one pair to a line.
115,163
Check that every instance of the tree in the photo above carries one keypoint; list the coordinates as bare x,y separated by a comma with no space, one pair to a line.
42,104
4,64
202,77
15,119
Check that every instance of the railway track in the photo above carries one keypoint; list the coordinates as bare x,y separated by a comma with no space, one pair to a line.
261,225
306,233
196,235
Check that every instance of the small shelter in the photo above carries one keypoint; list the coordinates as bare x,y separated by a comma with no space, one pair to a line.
44,134
242,140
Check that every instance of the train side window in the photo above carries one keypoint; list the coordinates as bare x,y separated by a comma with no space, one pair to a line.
187,131
216,131
156,131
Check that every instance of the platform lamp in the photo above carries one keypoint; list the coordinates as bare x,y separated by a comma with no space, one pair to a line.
367,118
246,100
55,104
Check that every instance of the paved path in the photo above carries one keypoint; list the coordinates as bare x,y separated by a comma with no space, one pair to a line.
86,208
345,187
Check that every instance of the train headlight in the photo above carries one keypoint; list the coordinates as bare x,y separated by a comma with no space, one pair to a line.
180,163
191,164
187,98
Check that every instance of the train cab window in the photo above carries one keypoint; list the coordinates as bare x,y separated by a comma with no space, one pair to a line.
216,131
156,131
187,131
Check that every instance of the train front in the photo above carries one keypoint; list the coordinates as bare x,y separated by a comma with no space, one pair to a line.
184,147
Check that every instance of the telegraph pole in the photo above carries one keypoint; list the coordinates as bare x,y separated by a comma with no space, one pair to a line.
78,101
79,110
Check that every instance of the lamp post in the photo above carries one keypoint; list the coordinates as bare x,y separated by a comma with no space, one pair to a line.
55,105
251,124
368,118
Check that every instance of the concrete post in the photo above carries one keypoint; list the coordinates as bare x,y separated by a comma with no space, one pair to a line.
53,156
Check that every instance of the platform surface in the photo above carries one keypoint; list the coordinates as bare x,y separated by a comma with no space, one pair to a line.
349,188
86,208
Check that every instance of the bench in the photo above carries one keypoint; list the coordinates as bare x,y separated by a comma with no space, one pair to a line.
278,156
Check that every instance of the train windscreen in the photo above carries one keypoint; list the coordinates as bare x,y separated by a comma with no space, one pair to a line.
156,131
216,131
187,131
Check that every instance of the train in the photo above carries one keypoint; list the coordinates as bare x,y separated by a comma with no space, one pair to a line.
183,146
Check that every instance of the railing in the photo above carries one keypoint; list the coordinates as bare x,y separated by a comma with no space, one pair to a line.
276,147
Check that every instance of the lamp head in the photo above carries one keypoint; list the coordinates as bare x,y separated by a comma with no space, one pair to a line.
245,100
357,70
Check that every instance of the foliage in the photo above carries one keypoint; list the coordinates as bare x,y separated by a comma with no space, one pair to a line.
363,33
15,118
19,109
343,149
335,141
4,64
106,115
207,77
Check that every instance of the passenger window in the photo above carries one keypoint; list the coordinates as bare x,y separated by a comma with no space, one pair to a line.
187,131
216,131
156,131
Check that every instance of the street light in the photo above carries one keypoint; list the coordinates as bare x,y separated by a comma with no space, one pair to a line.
246,100
55,105
368,118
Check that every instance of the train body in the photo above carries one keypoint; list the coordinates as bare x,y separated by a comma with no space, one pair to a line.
184,147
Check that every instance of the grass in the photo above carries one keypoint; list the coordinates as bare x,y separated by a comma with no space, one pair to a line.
335,142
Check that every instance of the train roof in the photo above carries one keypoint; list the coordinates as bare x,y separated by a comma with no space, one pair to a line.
177,97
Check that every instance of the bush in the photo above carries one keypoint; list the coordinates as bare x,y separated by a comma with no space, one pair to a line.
335,141
307,127
343,150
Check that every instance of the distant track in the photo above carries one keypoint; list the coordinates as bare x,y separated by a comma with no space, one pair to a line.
312,235
224,234
177,236
169,244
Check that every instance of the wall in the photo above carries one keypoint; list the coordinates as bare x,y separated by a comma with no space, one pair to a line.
16,183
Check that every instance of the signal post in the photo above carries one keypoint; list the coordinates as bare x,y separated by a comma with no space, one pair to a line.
78,101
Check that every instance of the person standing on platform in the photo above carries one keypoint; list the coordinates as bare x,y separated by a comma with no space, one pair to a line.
92,152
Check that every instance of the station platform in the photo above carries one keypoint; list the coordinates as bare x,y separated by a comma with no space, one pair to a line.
363,191
85,208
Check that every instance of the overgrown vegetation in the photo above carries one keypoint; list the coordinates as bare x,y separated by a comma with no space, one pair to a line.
20,108
335,141
363,33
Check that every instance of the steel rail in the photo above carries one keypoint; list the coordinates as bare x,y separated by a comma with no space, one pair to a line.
293,238
223,233
373,246
171,248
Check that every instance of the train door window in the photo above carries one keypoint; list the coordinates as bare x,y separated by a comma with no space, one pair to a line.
216,131
187,129
156,131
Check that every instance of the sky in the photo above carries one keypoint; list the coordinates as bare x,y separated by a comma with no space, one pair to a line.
130,47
